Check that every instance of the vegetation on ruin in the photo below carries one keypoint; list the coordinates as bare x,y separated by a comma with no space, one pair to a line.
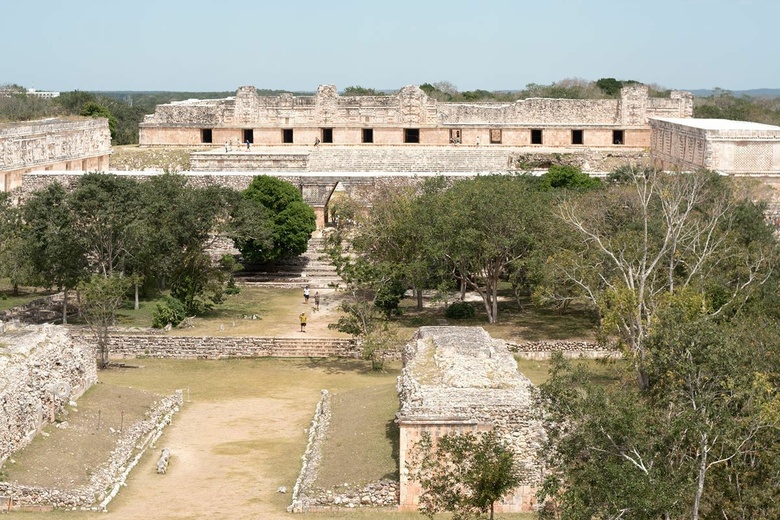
463,473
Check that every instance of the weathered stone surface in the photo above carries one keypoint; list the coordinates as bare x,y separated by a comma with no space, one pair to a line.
41,370
52,144
460,379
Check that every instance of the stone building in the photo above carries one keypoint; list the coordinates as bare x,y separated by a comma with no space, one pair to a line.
410,117
730,147
52,144
459,379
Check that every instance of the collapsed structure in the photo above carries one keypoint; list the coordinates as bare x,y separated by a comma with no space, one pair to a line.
458,379
410,117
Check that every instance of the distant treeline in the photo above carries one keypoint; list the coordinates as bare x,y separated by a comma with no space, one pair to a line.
126,109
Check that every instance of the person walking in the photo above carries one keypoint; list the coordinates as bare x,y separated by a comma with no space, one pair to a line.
316,300
306,294
303,321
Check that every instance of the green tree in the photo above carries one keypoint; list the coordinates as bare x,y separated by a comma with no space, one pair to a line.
101,296
56,253
292,220
688,445
463,473
94,109
490,226
559,176
359,91
14,258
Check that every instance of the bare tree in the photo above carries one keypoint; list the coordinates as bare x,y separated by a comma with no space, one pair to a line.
655,235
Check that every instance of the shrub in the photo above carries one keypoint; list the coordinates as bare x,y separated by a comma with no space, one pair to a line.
459,311
170,310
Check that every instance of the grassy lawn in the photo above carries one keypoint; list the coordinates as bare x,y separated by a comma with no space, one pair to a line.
362,431
25,295
603,372
527,323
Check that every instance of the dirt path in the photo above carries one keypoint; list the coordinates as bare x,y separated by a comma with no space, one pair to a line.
228,460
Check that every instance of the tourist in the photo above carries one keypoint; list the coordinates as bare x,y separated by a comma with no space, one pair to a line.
306,294
303,322
227,149
316,300
247,145
477,140
316,141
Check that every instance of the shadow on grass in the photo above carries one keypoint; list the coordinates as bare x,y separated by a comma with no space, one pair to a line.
334,365
393,434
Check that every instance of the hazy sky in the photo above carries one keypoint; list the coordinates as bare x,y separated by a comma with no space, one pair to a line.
200,45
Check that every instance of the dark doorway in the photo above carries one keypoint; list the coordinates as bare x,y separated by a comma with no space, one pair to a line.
617,137
249,135
287,135
576,137
536,136
411,135
327,135
368,135
205,136
455,136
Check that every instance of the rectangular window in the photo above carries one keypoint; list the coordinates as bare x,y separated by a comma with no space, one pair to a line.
411,135
617,137
249,135
495,136
205,135
576,137
287,135
368,135
327,135
536,136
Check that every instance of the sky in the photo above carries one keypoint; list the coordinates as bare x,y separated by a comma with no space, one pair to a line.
296,45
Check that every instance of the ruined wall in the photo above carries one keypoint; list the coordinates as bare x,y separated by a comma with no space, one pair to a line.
41,370
459,379
188,347
305,117
52,144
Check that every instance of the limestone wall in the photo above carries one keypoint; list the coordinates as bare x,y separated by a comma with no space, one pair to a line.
109,478
459,379
189,347
52,144
41,370
732,147
272,120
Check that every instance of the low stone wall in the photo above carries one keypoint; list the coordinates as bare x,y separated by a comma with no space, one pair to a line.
570,349
308,498
123,346
41,370
105,483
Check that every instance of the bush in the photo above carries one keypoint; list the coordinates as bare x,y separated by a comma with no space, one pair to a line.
459,311
170,310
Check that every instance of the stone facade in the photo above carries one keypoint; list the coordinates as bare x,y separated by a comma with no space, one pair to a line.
409,117
460,379
731,147
52,144
41,370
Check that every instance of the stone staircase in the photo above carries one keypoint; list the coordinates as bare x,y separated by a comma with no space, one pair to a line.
312,268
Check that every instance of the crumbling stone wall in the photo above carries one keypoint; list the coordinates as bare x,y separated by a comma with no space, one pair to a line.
41,370
459,379
190,347
109,478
